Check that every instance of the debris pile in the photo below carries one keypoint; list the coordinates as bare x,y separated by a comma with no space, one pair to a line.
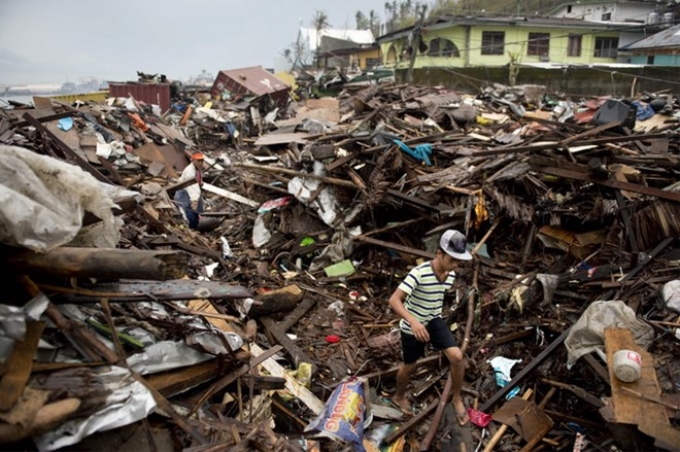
256,330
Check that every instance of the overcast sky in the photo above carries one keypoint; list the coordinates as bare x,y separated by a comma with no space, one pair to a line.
50,41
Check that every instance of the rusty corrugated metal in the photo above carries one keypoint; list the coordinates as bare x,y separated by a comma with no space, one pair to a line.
150,93
250,81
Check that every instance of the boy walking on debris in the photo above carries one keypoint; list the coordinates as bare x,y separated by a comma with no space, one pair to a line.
418,301
189,199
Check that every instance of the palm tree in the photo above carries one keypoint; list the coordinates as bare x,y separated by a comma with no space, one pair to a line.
373,23
362,22
320,22
388,15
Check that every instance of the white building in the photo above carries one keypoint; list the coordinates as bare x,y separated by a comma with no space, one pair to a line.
606,11
309,40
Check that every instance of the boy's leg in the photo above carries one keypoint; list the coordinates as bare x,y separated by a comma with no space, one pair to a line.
442,339
412,350
403,376
457,365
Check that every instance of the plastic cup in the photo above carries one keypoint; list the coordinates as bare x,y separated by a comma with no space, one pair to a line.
627,365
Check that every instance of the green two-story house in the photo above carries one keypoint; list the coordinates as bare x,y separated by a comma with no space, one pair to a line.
453,41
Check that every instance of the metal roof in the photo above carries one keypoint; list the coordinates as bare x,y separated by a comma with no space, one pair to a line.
666,38
255,80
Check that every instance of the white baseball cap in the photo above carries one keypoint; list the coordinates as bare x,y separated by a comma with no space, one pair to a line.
454,244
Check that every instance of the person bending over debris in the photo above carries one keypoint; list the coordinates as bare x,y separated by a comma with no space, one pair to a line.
418,301
189,199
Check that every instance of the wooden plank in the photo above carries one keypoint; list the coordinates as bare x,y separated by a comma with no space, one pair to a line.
650,417
229,195
19,365
175,382
627,408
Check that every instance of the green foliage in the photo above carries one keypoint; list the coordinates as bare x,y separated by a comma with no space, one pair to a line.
523,8
404,13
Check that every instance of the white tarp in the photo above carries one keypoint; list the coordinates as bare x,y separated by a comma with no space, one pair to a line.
43,200
587,334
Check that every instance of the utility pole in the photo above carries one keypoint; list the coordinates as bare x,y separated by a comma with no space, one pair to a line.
415,40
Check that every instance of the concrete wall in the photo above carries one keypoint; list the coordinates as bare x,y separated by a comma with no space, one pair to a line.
577,82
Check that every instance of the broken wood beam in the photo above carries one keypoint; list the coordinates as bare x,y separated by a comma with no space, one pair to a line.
594,131
284,299
128,291
99,263
296,314
443,401
292,349
19,366
524,372
49,118
394,246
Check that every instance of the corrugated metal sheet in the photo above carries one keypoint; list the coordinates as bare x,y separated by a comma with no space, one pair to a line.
666,38
250,81
150,93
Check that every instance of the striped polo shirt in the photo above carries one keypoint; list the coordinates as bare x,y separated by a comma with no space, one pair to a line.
425,294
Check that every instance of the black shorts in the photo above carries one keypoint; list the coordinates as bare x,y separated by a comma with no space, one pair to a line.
441,338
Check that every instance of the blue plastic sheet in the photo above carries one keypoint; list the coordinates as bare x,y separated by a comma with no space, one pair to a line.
65,124
421,152
644,111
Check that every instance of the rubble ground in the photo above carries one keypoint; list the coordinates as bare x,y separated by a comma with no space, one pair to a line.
124,329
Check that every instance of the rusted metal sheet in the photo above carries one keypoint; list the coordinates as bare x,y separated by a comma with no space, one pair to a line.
250,81
150,93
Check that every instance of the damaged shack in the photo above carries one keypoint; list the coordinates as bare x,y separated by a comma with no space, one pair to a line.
268,327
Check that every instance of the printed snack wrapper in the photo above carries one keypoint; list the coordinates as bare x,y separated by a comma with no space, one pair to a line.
345,415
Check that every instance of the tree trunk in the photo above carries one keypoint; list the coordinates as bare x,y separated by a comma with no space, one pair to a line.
100,263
